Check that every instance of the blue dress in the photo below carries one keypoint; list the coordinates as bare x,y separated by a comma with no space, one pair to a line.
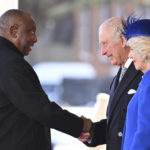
136,134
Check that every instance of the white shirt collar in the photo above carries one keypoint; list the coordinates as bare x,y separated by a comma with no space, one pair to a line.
128,63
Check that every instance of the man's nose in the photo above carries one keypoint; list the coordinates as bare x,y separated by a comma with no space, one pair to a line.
103,51
35,39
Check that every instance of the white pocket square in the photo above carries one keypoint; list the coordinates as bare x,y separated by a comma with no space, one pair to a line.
131,91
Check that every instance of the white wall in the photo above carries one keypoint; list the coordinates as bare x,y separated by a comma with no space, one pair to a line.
8,4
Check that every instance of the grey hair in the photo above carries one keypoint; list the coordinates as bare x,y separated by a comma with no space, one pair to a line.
114,25
11,17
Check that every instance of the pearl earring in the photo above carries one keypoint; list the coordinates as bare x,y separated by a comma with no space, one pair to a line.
146,59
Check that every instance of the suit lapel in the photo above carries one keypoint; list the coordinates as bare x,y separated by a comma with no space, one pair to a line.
125,82
115,83
113,88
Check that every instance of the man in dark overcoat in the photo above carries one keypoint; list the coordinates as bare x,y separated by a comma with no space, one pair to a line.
26,113
113,45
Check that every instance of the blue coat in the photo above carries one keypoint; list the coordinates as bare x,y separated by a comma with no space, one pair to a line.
137,127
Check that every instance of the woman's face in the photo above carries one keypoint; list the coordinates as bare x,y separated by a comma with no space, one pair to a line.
138,62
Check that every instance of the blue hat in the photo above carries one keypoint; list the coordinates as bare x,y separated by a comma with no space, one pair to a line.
136,27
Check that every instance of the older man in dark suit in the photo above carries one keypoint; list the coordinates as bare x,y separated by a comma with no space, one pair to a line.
113,45
26,114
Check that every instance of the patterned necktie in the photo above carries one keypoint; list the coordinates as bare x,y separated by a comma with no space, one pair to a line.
123,71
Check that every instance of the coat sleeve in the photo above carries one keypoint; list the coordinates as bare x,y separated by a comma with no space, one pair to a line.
141,136
22,88
99,134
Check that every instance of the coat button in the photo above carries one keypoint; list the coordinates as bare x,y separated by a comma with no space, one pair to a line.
120,134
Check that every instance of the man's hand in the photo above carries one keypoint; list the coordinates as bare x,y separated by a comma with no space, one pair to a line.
84,136
86,132
87,124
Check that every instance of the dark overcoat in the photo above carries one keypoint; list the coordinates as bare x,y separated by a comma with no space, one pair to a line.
26,113
109,131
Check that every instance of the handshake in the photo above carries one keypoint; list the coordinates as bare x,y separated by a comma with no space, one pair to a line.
87,129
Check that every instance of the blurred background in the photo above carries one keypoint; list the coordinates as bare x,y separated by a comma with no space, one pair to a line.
67,56
67,33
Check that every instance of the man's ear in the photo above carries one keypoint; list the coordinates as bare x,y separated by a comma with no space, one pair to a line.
123,40
13,30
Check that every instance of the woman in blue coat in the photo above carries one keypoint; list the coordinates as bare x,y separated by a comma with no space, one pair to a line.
137,127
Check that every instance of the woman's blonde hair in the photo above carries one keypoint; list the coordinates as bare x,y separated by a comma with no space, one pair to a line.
140,46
